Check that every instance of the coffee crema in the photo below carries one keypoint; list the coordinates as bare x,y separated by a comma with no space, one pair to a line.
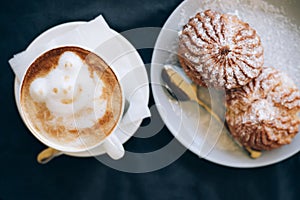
72,97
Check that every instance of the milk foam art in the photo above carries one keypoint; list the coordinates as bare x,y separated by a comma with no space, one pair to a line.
71,93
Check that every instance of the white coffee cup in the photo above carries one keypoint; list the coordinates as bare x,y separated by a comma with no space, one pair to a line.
111,143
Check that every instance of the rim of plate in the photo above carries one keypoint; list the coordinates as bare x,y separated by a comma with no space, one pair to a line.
207,157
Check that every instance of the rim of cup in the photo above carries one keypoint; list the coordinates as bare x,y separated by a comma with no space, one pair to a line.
42,138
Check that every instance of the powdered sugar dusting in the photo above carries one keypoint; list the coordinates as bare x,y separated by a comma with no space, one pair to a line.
262,115
280,37
224,39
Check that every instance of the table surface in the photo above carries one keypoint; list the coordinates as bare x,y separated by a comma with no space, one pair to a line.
189,177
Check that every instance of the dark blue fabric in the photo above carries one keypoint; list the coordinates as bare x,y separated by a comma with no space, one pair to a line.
190,177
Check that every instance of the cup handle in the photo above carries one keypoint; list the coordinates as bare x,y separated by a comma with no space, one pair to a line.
114,147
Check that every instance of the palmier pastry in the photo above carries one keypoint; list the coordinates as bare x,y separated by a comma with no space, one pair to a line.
219,50
263,115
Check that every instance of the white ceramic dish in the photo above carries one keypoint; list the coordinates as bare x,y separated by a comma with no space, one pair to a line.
185,120
134,65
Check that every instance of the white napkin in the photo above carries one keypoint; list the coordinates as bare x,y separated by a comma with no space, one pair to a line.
95,36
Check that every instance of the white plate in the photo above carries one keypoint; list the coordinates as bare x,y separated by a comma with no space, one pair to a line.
135,65
185,120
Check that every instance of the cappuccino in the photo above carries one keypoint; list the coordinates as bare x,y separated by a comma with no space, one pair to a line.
71,97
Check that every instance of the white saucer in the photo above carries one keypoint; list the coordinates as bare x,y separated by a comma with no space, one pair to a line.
137,77
185,120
